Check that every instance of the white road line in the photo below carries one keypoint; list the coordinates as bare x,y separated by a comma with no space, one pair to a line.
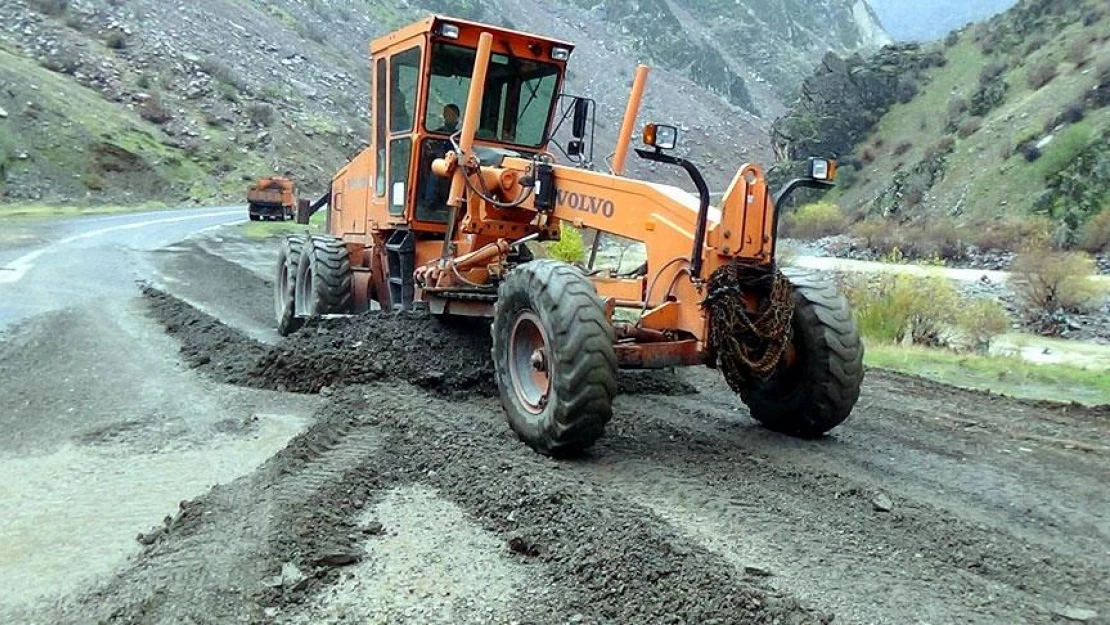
15,270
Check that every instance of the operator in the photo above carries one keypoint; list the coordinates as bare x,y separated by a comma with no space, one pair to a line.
450,119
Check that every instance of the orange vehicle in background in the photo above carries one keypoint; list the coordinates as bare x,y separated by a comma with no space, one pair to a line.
273,197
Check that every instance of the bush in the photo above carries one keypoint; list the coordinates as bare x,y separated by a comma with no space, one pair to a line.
983,319
1041,74
903,307
1090,18
50,7
1064,148
116,40
1050,281
814,221
1011,233
970,127
260,114
1030,152
1095,237
569,248
902,148
943,145
993,70
1079,50
154,112
93,181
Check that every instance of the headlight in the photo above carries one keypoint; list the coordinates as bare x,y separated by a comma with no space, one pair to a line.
822,169
449,31
661,137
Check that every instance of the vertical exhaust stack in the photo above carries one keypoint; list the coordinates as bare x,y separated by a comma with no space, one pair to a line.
466,138
624,139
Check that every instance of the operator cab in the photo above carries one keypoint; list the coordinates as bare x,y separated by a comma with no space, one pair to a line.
421,79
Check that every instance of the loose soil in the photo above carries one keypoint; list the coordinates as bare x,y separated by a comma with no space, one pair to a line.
409,500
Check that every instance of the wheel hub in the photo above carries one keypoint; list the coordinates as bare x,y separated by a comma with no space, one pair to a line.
529,363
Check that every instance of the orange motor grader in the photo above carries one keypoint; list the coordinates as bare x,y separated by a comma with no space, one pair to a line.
460,177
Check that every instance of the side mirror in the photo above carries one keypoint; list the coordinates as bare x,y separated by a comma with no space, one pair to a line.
661,137
581,113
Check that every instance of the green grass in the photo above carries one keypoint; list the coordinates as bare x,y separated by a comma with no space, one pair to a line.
18,212
999,374
269,229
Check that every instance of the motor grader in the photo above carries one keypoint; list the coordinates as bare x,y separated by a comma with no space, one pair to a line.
440,217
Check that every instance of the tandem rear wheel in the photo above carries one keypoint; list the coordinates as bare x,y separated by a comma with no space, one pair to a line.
553,357
313,279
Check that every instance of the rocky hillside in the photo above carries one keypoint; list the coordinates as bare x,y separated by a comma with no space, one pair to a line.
988,138
130,100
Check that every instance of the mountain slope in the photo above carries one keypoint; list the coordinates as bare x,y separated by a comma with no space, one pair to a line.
226,90
1002,134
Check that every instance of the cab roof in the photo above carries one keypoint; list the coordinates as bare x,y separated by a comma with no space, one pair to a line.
467,30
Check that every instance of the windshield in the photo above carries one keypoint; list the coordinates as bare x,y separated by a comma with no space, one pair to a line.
516,105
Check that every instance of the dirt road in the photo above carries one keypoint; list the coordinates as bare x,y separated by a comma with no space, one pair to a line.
407,499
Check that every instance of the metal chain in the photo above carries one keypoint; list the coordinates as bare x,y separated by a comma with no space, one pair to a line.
745,345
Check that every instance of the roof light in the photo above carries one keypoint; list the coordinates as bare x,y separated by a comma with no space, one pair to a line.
449,31
560,54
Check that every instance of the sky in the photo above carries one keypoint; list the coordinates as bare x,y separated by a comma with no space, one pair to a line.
923,20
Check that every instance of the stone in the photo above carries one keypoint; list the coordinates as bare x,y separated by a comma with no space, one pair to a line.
882,503
1079,615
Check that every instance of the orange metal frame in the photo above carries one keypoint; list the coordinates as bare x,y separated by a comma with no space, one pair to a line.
664,218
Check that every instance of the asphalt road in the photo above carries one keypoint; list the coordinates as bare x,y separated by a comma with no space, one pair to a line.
89,257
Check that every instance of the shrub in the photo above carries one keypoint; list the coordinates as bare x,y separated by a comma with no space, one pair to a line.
1041,74
153,111
1030,152
1050,281
1063,150
952,39
50,7
814,221
957,106
260,114
903,307
569,248
876,232
143,82
992,70
1079,50
1096,233
867,156
970,127
902,148
93,181
942,146
116,40
983,319
1011,233
1090,18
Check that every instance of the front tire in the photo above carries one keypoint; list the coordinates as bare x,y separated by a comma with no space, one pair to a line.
323,278
553,357
816,389
289,258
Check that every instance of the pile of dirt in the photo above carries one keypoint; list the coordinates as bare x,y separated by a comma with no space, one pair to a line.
448,358
417,348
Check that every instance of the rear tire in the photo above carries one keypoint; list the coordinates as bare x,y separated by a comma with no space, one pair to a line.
323,278
553,357
289,258
819,390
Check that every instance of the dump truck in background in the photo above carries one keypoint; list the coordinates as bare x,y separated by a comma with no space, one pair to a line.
437,215
274,198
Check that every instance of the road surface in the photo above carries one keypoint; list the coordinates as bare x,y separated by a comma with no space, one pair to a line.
366,476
